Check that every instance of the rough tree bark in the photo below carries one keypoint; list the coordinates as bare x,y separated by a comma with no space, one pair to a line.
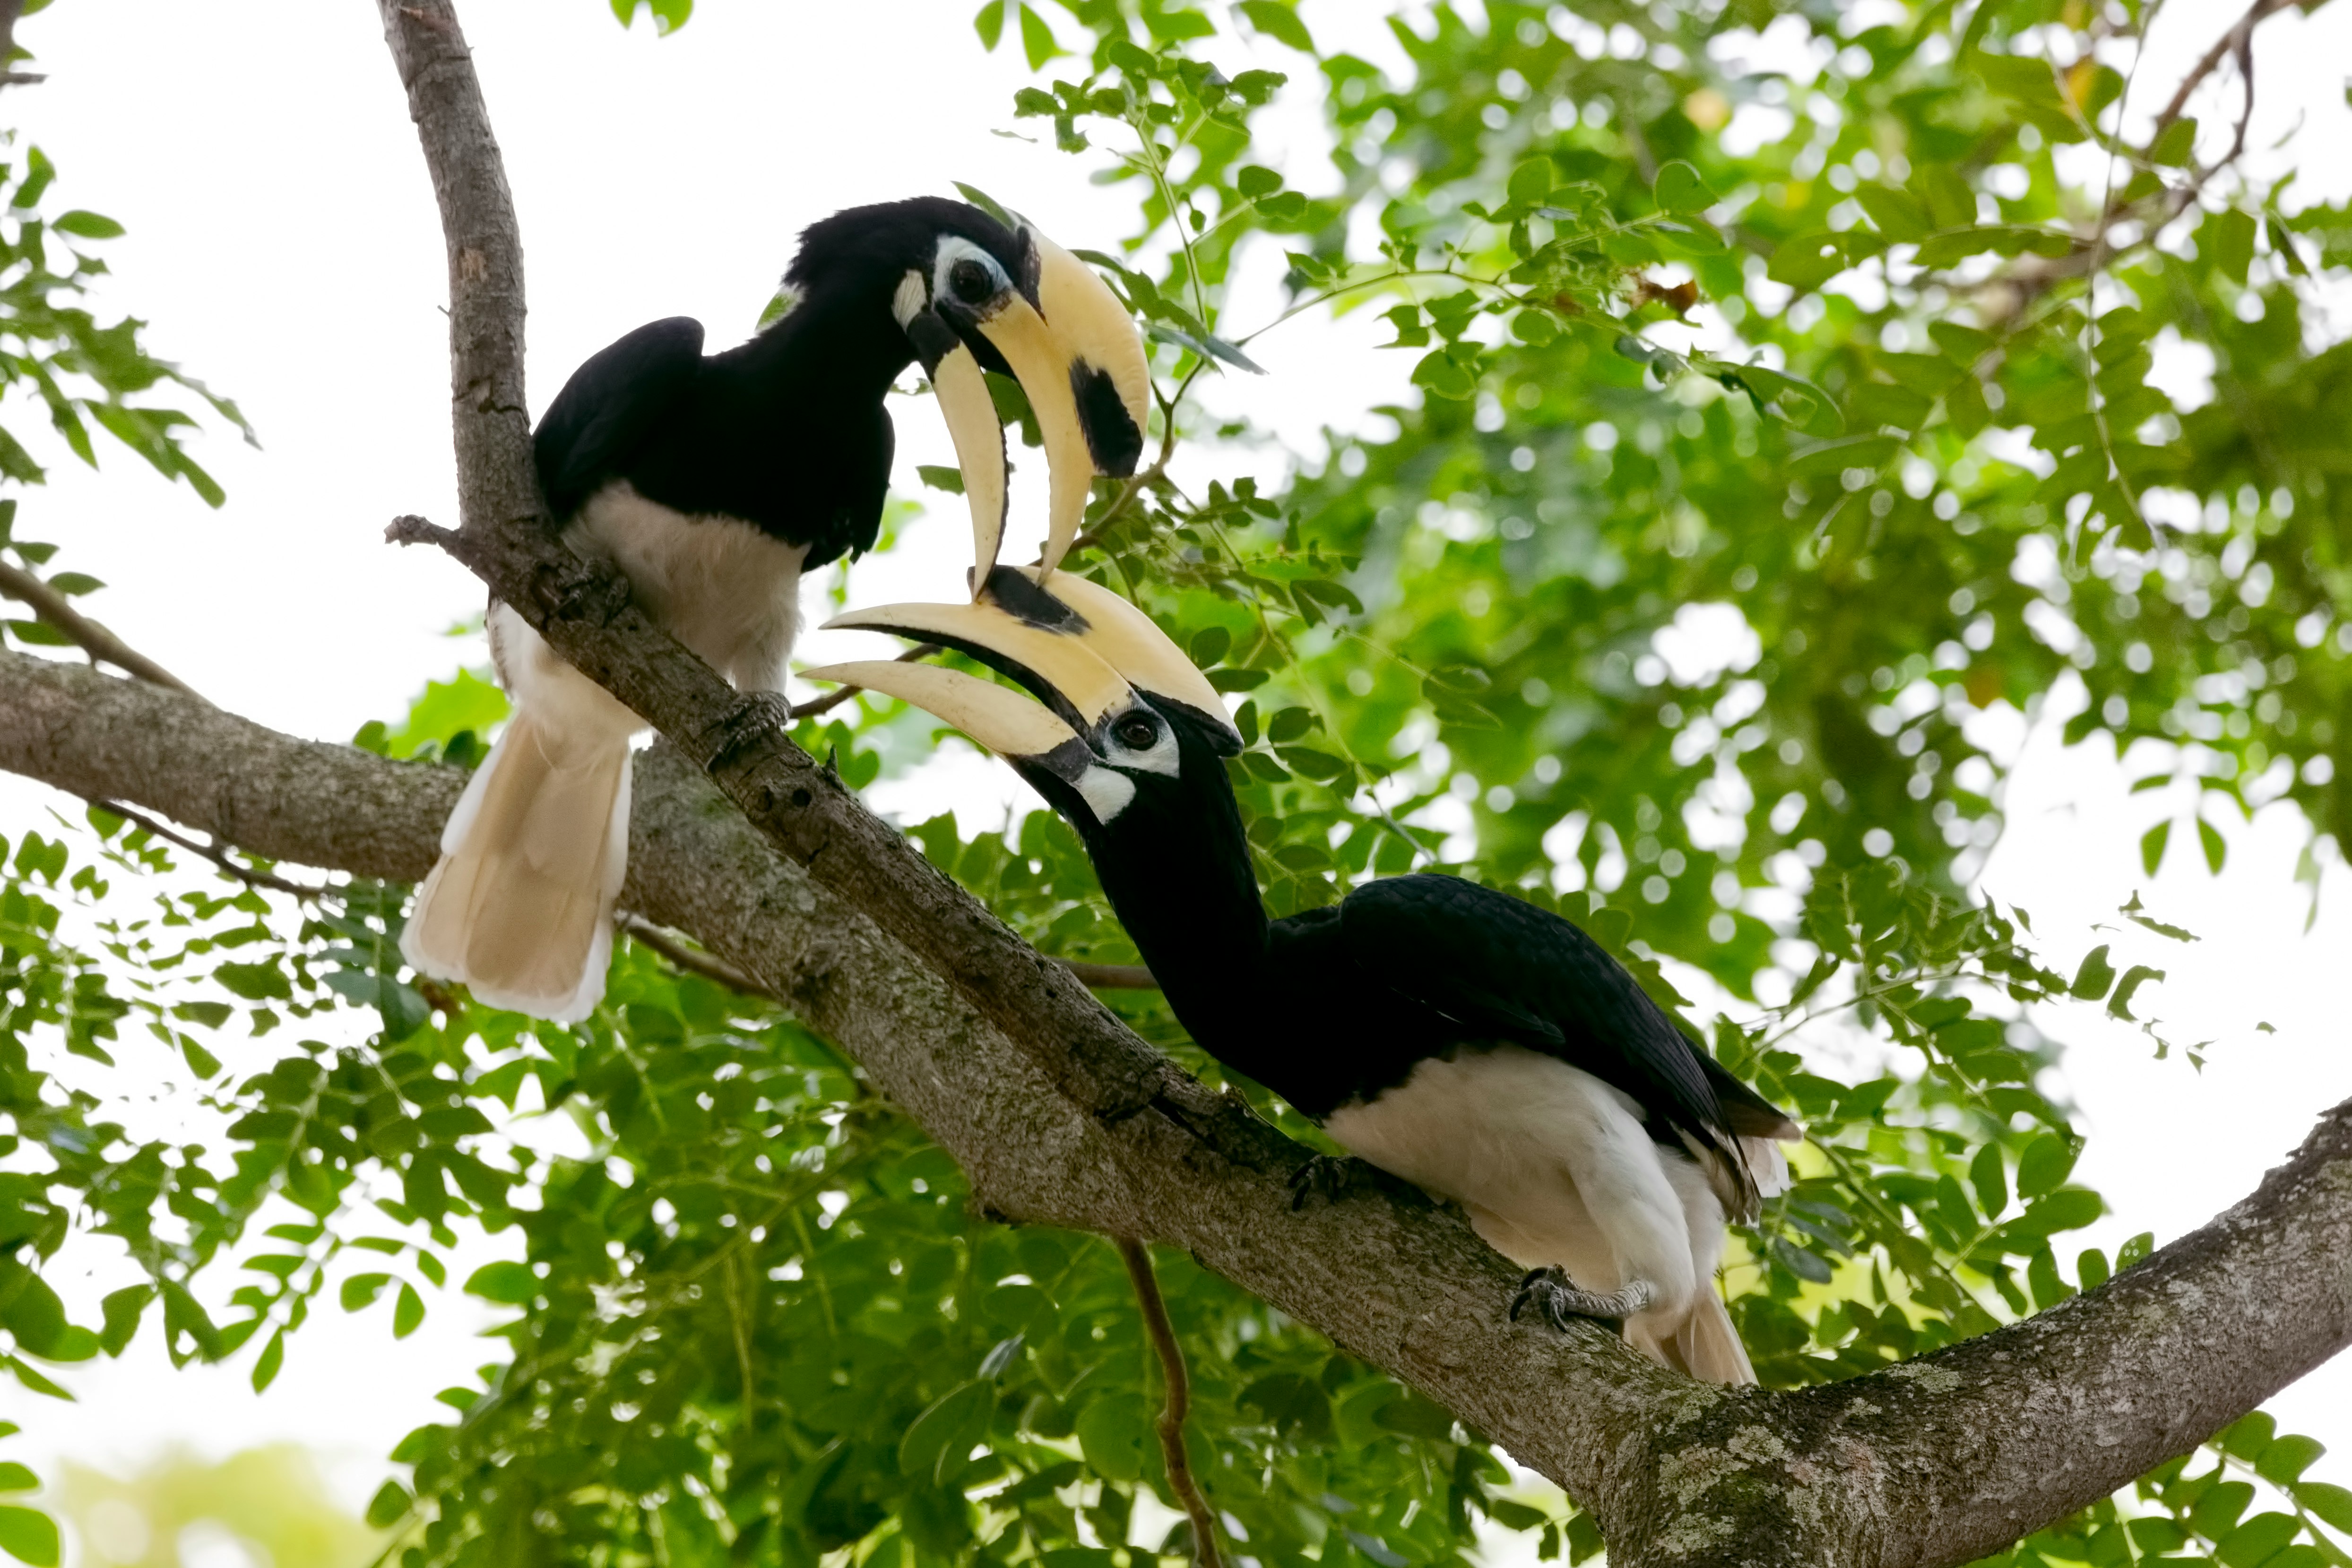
1060,1115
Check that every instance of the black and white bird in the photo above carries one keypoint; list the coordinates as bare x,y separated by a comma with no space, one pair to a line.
1476,1045
713,482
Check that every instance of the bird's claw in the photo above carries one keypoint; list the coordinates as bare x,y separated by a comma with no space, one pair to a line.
1327,1175
1559,1301
751,720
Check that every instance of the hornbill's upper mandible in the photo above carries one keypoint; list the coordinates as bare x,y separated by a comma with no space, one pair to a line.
1476,1045
712,482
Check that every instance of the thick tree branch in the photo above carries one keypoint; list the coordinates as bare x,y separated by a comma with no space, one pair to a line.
1935,1461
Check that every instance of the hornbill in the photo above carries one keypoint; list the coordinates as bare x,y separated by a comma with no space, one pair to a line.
1476,1045
713,482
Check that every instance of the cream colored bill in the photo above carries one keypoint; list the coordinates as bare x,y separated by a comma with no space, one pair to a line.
1091,325
1064,665
979,435
1128,641
1042,366
996,716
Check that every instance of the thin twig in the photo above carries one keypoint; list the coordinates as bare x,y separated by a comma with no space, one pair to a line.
93,639
244,874
834,699
693,959
2226,45
1171,1423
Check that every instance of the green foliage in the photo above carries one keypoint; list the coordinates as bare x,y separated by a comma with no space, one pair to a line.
1687,644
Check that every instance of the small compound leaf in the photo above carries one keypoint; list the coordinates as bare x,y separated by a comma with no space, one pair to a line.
1680,189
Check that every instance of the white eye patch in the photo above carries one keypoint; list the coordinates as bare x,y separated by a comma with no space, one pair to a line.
954,249
1161,756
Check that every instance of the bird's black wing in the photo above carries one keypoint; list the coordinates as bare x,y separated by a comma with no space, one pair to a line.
608,407
1504,970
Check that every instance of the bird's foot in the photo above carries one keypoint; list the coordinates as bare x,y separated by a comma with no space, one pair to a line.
1557,1299
1328,1177
754,716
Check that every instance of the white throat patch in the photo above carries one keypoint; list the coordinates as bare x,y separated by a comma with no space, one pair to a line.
908,302
1106,790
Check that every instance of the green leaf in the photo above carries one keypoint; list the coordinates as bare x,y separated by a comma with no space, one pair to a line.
938,476
2231,236
1113,1432
2151,846
361,1289
2171,149
510,1284
34,1315
121,1311
17,1477
1037,42
2136,912
2092,981
990,23
1679,189
86,226
408,1312
943,1434
1991,1178
30,1537
2330,1503
1277,22
2216,848
1253,180
2119,1005
1531,182
1898,216
272,1358
386,1508
1444,375
2045,1165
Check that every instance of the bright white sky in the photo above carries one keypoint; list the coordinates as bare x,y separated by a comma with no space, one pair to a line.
284,242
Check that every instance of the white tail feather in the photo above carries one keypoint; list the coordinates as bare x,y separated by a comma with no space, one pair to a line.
1706,1345
520,908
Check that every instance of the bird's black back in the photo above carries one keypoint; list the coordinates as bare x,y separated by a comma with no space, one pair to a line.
1419,966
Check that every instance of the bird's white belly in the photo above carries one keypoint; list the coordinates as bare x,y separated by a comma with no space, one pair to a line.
1551,1164
721,587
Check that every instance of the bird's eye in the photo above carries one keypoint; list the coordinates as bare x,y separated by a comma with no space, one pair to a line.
971,282
1135,732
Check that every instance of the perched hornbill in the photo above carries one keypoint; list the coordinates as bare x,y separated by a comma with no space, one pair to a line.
1473,1044
713,482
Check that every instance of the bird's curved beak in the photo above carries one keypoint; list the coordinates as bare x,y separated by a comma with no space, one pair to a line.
1123,637
1069,341
999,719
1062,672
1083,650
972,424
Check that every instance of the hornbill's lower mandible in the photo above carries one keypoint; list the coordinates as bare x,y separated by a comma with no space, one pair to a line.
713,482
1473,1044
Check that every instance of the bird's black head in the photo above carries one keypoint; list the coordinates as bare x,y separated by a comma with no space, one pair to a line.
871,250
971,293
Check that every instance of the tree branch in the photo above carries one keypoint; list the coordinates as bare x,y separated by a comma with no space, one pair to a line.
1170,1422
93,639
2236,40
1934,1461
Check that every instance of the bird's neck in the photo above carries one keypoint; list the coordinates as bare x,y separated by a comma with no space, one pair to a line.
844,340
1176,867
